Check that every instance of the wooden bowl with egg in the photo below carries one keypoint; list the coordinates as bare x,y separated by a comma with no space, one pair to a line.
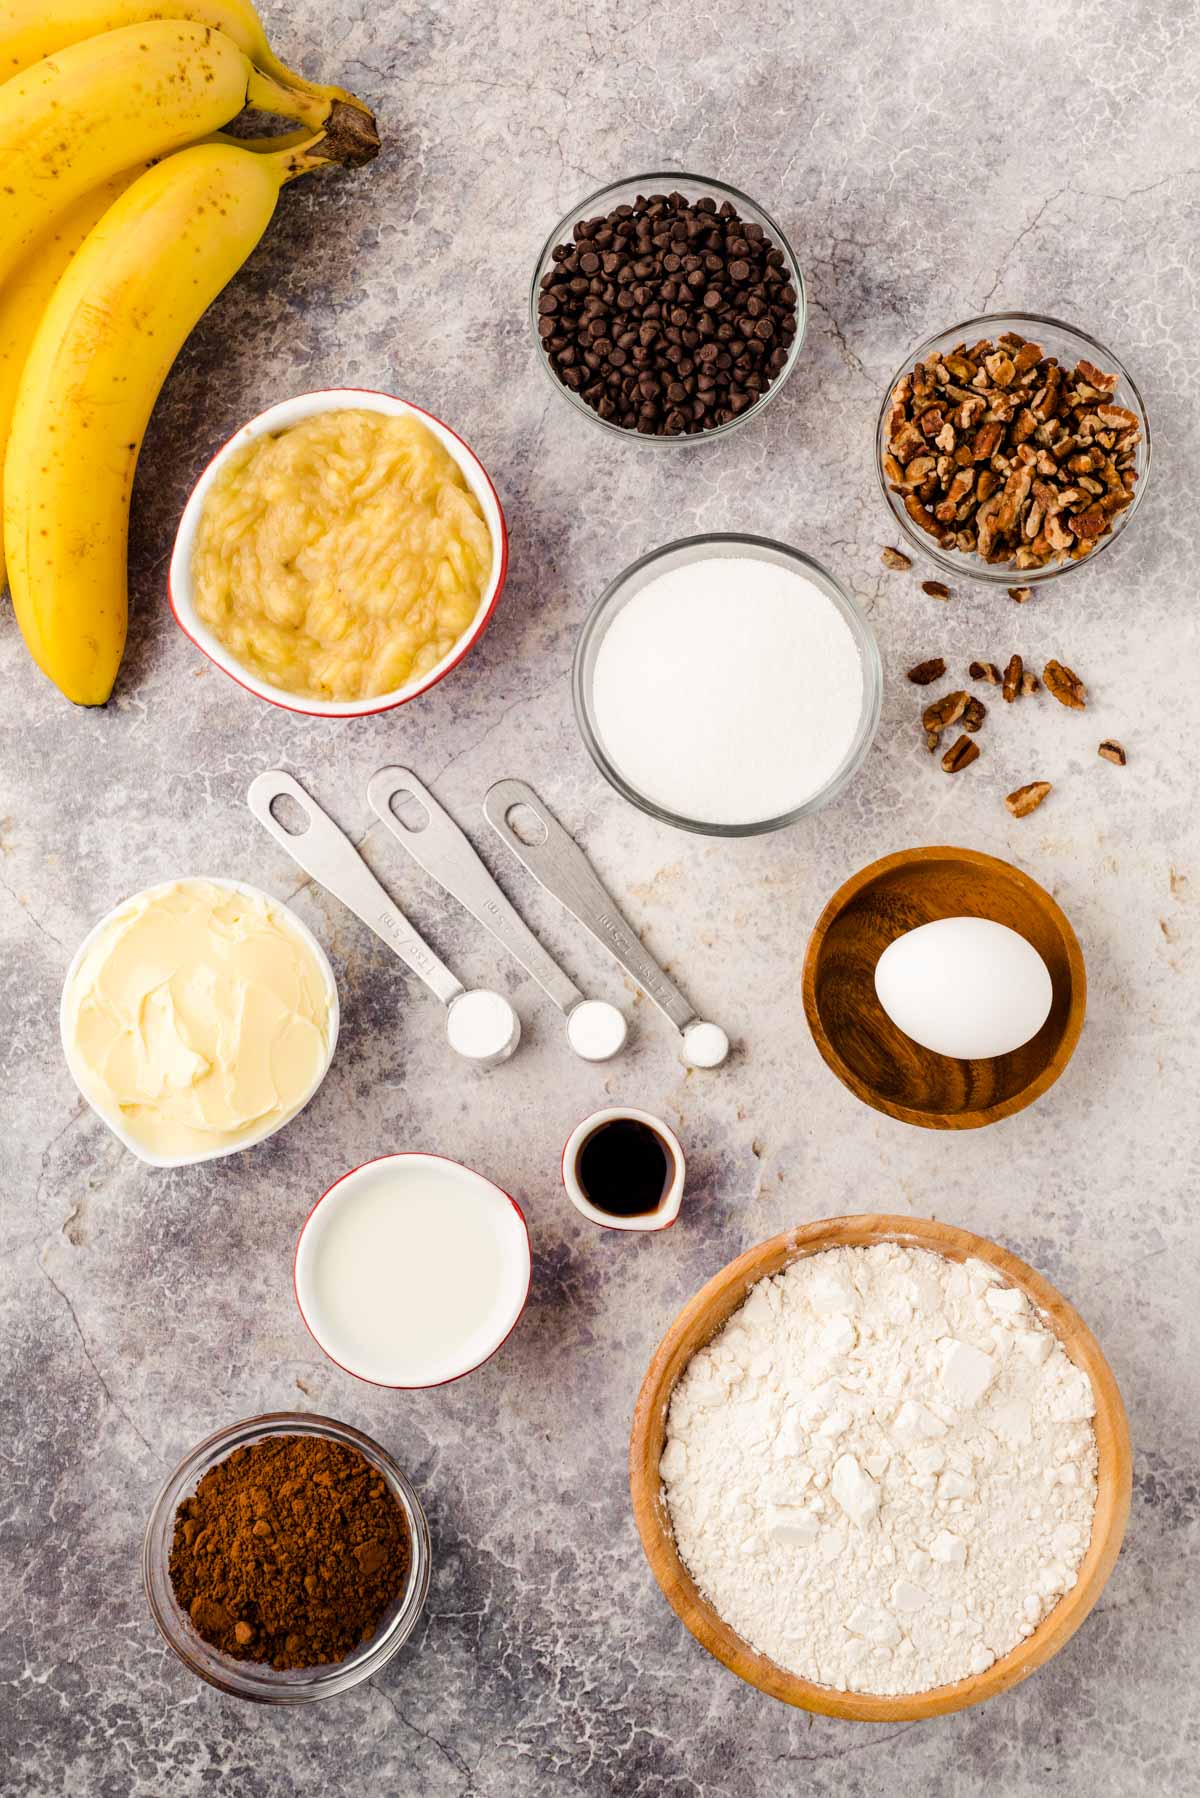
700,1320
869,1053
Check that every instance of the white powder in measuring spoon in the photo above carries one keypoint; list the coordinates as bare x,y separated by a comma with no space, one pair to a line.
728,691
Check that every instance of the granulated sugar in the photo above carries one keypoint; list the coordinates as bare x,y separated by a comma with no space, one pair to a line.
728,691
882,1472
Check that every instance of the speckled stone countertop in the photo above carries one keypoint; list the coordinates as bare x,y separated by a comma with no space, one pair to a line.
926,165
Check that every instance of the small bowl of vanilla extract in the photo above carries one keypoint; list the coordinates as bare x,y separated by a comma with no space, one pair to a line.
624,1170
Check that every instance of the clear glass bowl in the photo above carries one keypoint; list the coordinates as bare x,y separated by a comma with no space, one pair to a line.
254,1680
679,554
1057,339
694,187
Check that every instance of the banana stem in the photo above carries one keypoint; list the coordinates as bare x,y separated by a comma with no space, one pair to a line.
279,71
348,138
348,124
269,95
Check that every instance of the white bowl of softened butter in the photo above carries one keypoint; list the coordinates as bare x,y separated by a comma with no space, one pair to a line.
170,1090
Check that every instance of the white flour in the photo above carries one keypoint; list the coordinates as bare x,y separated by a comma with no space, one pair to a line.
881,1472
728,691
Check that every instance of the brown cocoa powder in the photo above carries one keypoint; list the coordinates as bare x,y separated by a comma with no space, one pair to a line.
290,1551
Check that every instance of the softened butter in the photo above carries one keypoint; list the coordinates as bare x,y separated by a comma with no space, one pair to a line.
197,1019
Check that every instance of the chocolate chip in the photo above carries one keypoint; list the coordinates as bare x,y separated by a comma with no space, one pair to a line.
667,316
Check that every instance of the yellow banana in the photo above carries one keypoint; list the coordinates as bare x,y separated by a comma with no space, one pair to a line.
25,296
78,118
112,329
31,29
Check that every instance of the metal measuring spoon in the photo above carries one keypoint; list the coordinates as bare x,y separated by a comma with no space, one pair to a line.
596,1030
480,1025
559,864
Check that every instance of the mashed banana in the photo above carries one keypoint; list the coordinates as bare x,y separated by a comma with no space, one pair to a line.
342,557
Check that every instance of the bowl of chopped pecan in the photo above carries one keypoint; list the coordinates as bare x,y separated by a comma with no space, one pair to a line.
1012,447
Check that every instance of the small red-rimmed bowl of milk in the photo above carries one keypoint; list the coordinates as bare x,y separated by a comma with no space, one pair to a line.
412,1270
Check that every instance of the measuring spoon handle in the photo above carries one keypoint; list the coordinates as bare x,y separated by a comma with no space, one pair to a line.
326,853
559,864
448,856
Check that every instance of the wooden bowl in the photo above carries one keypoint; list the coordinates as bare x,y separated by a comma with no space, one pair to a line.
696,1325
869,1054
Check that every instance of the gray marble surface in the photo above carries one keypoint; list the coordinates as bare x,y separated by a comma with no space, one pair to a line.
926,165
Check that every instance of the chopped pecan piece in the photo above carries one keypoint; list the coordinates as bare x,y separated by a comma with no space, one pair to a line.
1012,678
945,711
974,714
894,558
987,671
935,589
1112,751
1021,594
925,672
1090,523
918,514
960,755
1030,682
1065,685
1027,799
1094,378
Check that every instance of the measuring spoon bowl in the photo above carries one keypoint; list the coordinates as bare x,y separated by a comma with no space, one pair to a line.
482,1026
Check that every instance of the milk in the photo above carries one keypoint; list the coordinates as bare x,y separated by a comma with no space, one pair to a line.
412,1270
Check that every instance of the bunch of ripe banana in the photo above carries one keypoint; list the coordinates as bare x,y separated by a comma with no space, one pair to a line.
123,213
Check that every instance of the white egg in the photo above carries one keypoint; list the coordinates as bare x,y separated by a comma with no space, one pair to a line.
965,987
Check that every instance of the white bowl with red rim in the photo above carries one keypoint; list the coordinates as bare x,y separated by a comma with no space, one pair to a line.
412,1270
278,418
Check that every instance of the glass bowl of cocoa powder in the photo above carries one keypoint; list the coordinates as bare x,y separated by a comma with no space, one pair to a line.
1086,438
254,1501
757,310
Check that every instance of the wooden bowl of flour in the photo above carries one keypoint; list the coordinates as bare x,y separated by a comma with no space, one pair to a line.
700,1320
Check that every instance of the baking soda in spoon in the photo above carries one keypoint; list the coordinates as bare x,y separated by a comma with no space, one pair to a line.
728,691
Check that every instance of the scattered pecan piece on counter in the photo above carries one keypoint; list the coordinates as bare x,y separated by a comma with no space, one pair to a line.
894,558
944,712
1065,685
925,672
1030,682
1112,751
974,714
1027,799
999,451
960,755
1012,678
1020,594
935,589
987,671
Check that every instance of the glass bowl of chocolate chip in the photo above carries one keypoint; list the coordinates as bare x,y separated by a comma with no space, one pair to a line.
1012,448
668,307
286,1559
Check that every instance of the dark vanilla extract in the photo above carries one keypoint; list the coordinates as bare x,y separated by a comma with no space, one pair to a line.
625,1168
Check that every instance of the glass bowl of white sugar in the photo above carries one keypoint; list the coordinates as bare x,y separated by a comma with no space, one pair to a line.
727,684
